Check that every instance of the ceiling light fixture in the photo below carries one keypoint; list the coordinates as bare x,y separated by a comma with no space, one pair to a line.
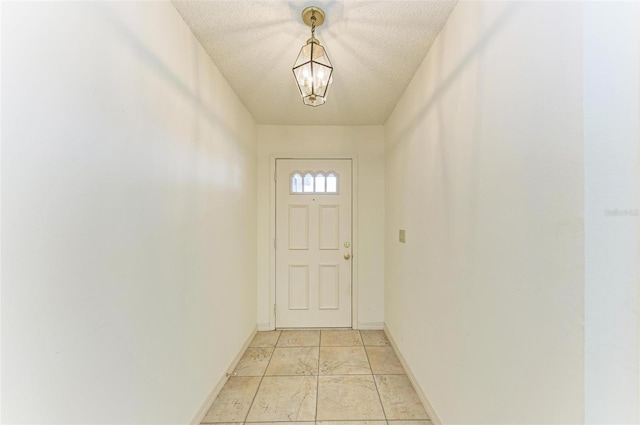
313,70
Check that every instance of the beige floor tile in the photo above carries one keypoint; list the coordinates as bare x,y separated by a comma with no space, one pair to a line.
340,338
375,338
234,400
348,398
265,339
223,423
299,339
343,361
294,361
384,361
281,423
420,422
254,361
285,398
352,423
398,397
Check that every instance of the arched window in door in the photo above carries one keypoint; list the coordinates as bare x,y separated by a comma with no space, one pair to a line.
319,182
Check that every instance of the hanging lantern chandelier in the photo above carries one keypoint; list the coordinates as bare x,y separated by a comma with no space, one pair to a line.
313,71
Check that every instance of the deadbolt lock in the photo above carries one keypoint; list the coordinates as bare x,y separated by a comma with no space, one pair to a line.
347,244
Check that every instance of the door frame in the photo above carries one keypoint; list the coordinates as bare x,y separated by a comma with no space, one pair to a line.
354,228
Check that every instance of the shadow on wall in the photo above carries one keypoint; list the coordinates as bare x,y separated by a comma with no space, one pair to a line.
439,149
133,42
217,145
216,136
445,83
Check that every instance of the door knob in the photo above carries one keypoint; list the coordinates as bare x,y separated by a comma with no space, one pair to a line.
347,256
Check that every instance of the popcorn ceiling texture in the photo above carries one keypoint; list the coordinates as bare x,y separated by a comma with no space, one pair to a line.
375,48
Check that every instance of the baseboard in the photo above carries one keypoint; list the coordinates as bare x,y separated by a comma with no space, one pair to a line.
223,380
264,327
431,411
371,326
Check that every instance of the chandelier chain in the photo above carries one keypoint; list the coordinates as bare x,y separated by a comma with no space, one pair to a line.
313,24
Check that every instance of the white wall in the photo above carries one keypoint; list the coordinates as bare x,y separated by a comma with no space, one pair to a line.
484,166
612,195
128,215
367,144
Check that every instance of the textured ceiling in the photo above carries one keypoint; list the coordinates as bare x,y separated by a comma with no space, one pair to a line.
375,48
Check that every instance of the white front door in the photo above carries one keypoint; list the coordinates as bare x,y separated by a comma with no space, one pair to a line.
313,243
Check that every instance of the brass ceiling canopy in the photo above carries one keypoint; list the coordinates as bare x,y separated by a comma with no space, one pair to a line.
307,13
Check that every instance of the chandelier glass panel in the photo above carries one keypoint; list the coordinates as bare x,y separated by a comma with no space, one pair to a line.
313,70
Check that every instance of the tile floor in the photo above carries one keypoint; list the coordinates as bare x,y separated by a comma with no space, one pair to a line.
319,376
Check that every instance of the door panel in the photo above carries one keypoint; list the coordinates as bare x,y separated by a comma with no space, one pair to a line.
329,227
299,287
313,243
299,227
329,284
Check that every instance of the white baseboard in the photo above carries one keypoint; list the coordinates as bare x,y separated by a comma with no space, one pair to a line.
431,411
371,326
223,380
264,327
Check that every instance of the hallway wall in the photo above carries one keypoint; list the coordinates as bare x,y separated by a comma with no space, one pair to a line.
366,143
128,215
612,212
484,165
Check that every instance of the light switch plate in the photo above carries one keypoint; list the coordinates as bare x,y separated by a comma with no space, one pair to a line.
402,236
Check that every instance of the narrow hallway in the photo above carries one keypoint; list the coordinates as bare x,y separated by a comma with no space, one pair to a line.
318,375
152,217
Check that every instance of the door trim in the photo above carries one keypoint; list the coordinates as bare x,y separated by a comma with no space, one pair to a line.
354,229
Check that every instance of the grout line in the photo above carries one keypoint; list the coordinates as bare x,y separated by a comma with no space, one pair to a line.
311,422
344,345
262,378
266,422
318,376
297,346
381,404
376,385
332,420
